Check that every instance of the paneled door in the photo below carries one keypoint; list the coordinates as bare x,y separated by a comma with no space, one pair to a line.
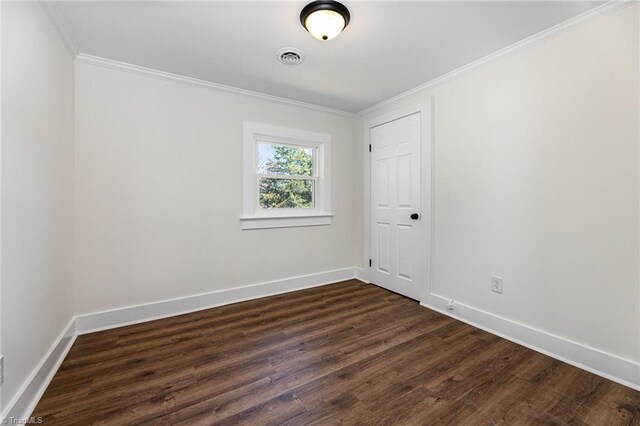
395,205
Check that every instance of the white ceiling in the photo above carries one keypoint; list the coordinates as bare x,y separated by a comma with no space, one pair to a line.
389,47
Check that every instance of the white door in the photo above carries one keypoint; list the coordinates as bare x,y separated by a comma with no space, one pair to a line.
395,205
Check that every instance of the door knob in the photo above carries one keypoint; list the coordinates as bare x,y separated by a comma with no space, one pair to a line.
415,216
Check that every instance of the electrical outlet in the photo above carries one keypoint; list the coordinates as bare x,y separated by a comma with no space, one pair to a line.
1,369
496,284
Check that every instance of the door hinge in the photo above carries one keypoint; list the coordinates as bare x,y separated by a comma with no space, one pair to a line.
369,147
369,263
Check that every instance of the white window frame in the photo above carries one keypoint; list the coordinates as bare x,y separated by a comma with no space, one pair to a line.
255,217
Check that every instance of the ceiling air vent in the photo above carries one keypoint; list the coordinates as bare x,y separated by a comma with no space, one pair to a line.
290,56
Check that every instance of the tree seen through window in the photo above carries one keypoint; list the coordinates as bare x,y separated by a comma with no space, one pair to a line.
286,176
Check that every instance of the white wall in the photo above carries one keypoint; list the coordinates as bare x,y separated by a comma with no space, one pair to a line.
158,192
37,190
536,168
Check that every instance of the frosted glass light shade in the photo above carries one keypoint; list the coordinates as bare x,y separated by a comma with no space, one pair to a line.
324,24
325,19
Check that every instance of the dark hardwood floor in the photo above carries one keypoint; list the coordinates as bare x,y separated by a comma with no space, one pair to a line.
344,353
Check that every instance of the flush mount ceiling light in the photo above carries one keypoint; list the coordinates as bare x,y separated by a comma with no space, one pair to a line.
325,19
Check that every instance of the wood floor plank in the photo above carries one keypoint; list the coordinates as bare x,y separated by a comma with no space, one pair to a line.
345,353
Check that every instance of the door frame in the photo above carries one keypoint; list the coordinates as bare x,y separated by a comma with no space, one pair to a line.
425,108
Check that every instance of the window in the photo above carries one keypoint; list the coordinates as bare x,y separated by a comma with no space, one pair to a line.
287,177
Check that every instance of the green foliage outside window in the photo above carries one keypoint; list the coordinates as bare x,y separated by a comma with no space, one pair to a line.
281,193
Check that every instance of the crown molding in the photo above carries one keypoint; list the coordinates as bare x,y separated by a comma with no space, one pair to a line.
65,36
568,25
176,78
54,16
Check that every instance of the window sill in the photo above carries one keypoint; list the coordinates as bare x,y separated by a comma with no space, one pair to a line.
265,222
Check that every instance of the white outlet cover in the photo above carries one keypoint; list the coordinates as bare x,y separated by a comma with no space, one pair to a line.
497,284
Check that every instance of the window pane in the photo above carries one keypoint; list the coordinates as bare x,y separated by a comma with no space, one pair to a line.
286,193
285,160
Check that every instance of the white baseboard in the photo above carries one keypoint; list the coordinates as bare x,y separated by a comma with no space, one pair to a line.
609,366
27,397
105,320
362,275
